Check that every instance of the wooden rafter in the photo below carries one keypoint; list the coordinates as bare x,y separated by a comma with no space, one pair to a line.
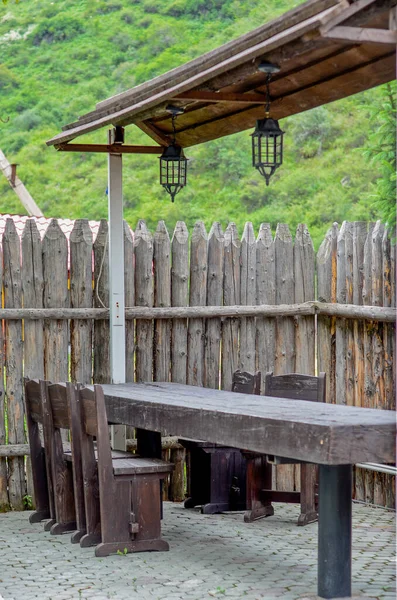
221,97
361,35
109,149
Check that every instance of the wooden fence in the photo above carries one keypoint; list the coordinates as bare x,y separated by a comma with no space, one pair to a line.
55,322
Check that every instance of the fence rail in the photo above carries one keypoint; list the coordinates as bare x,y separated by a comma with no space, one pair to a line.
199,307
347,311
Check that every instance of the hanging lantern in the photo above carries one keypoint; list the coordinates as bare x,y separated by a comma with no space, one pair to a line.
267,139
173,163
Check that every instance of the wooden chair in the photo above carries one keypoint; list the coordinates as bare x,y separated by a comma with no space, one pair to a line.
218,473
296,387
41,471
257,474
122,497
56,418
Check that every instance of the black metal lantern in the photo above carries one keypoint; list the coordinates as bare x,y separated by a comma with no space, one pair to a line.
173,163
267,139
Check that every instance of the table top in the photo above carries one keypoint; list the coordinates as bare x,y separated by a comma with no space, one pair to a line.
308,431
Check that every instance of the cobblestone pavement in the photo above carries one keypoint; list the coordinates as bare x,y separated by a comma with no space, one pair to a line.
216,556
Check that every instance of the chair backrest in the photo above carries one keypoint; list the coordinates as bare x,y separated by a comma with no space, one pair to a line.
246,383
296,386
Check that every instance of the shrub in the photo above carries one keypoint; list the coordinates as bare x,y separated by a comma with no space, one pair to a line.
58,29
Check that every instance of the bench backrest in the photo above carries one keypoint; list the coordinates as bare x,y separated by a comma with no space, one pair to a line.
94,423
296,386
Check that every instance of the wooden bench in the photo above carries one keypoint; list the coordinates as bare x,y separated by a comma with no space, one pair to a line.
120,484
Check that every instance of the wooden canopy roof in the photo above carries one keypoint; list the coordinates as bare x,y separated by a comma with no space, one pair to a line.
326,50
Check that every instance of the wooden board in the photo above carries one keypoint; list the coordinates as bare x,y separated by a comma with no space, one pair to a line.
322,433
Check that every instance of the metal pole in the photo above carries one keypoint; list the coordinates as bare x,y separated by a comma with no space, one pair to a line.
116,283
335,531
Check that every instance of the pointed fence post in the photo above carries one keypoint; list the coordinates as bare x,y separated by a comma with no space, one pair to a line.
179,297
247,298
265,294
143,250
33,331
129,293
81,297
198,296
389,333
231,297
369,387
101,368
4,500
340,325
14,361
285,327
326,292
216,243
378,363
162,297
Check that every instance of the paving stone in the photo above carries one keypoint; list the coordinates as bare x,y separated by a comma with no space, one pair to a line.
211,556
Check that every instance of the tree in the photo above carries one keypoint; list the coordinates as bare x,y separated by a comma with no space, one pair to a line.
381,150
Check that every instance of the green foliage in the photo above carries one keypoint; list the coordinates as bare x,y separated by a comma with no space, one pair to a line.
381,150
65,57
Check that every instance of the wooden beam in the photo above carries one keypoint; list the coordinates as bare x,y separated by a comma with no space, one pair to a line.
201,96
354,10
9,171
109,149
361,35
346,311
156,134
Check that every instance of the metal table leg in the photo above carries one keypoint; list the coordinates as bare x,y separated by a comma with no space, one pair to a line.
335,531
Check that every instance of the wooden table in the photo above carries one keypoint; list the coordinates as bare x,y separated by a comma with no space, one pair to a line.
333,436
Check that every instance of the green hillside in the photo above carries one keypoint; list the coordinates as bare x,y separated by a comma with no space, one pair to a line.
59,58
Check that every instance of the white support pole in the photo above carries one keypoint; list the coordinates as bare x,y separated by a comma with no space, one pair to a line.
116,283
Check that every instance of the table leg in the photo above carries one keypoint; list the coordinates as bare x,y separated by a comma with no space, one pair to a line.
335,531
149,446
